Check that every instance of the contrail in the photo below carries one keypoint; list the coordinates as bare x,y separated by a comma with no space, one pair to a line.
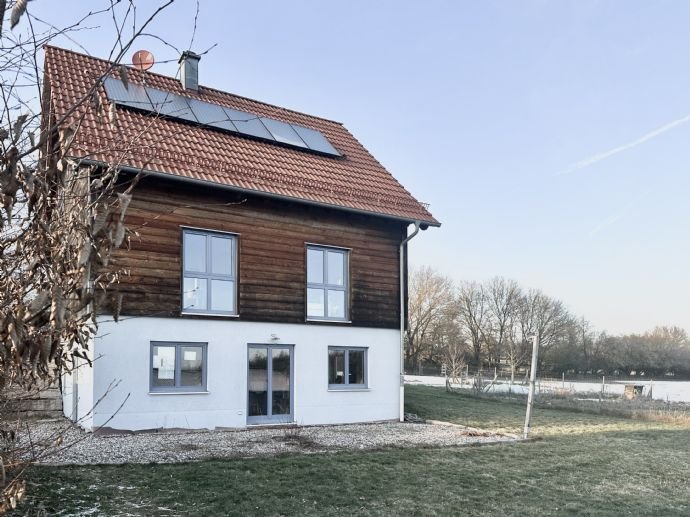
607,154
612,219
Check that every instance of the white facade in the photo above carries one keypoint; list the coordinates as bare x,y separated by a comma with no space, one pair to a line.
77,392
122,369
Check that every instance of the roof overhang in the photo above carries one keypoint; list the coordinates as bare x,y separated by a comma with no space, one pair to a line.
220,186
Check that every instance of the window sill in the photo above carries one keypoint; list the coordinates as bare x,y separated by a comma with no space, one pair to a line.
314,320
337,390
290,423
179,392
209,314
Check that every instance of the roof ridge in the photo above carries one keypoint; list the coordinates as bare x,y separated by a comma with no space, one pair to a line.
208,88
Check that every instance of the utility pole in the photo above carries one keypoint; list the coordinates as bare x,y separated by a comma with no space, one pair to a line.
532,379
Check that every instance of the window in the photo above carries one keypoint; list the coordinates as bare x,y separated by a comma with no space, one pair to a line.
178,366
347,367
209,263
327,283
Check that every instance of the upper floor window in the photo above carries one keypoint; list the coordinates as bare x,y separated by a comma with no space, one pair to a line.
209,264
327,283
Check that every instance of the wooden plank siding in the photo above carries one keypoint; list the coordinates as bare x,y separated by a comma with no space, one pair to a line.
272,237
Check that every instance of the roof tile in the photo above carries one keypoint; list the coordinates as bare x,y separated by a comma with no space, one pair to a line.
355,181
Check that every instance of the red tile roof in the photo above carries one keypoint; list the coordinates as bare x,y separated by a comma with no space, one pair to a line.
357,181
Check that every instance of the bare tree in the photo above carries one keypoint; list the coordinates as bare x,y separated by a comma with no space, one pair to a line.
668,349
585,345
455,359
516,352
475,318
503,298
449,346
507,304
430,298
59,220
493,323
544,317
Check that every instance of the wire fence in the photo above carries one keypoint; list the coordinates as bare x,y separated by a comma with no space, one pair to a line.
523,373
497,380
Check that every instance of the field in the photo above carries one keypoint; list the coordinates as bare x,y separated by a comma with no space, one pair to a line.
578,464
667,391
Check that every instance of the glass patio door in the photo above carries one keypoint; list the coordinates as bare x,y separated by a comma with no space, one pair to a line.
269,379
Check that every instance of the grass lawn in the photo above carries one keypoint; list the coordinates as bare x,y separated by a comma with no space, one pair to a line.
584,464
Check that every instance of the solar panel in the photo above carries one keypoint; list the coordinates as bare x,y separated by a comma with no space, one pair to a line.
315,140
248,124
211,115
216,116
283,132
134,96
170,104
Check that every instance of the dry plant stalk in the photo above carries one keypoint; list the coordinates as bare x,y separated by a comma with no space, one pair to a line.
59,223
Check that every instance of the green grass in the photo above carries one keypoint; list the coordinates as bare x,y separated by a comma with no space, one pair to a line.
583,465
549,418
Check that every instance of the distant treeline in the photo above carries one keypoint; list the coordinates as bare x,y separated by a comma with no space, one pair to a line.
490,324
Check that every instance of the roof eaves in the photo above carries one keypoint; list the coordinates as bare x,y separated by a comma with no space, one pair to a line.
261,193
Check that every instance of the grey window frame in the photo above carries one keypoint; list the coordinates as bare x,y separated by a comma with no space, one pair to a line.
347,385
209,276
325,286
177,388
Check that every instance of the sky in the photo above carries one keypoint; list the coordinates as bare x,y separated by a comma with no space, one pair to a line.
550,138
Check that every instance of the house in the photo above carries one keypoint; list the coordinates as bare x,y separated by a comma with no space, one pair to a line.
267,276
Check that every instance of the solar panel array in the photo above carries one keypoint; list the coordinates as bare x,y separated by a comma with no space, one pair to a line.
219,117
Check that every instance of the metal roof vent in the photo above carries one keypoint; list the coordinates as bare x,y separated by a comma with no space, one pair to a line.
189,70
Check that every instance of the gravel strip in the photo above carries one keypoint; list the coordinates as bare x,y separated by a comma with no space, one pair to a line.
81,448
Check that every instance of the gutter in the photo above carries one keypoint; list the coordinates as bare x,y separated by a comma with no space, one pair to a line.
418,225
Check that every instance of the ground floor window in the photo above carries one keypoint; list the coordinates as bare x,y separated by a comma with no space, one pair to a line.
347,367
178,366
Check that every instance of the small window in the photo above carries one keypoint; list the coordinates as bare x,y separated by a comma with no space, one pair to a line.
347,367
209,262
178,366
327,283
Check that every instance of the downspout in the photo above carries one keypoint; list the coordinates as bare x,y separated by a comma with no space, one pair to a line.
417,226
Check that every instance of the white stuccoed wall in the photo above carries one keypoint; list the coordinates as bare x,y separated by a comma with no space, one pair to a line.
79,384
68,386
122,354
